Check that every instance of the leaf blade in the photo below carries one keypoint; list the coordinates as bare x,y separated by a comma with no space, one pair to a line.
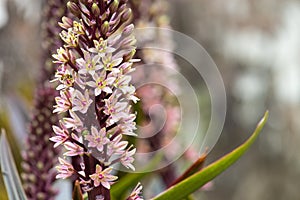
194,182
10,174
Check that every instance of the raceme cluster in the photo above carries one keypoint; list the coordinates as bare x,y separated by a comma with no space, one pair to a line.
93,79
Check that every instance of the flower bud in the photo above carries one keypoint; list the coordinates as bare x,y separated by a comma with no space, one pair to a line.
95,9
114,6
73,8
127,15
104,16
97,33
66,23
128,30
105,27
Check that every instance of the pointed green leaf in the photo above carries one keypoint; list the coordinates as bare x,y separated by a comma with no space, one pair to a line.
195,167
194,182
10,174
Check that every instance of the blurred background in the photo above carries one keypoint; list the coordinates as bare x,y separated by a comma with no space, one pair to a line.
256,46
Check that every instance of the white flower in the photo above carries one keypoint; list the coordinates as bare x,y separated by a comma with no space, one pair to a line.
127,125
101,48
66,77
89,64
62,56
81,102
101,83
110,63
122,83
70,38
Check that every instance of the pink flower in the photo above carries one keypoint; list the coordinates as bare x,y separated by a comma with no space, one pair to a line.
136,193
127,158
122,82
95,73
102,177
65,169
74,122
62,135
63,103
116,146
115,109
73,149
81,102
127,125
97,139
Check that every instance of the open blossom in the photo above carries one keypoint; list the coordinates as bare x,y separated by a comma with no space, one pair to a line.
115,109
61,135
127,158
81,102
97,138
101,83
117,146
101,48
103,177
88,64
63,103
65,169
73,122
136,193
128,125
62,56
73,149
66,78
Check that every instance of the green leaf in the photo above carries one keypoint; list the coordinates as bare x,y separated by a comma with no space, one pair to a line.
196,181
10,174
196,166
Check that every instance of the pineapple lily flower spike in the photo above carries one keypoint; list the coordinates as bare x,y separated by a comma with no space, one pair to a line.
93,95
93,79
